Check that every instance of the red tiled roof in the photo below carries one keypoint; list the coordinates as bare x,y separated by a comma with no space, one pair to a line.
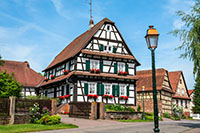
174,78
182,97
190,92
57,79
145,79
77,44
22,72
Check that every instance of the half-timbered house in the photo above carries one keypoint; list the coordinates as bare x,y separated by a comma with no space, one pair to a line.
164,90
96,66
181,95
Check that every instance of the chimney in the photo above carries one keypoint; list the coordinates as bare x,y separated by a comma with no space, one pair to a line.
91,23
27,64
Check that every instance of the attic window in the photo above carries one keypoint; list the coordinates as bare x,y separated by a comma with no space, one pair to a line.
108,27
180,81
105,47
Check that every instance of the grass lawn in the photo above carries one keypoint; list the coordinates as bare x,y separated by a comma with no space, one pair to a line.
136,120
20,128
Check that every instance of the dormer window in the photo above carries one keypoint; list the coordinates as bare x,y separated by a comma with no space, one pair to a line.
180,81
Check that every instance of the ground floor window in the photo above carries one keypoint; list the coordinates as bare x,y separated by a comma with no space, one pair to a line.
92,88
107,89
122,90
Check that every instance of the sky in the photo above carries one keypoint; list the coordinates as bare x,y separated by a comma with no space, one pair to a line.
37,30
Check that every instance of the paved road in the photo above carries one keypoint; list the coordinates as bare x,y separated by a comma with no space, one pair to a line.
106,126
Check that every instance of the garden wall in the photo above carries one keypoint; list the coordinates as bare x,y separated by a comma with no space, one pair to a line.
16,110
115,115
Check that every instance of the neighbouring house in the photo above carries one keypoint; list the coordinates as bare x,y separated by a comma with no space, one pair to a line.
181,95
191,102
96,66
26,76
164,91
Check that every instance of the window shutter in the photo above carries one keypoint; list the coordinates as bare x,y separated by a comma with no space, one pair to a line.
114,49
98,89
126,67
101,66
127,91
115,68
113,90
101,47
102,89
62,91
67,89
117,90
87,65
86,88
69,66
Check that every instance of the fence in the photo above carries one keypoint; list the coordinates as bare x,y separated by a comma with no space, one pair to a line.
16,110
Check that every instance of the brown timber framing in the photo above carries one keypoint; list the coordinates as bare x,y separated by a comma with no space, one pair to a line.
81,90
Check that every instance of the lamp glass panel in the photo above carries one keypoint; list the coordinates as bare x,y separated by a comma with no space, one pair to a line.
153,41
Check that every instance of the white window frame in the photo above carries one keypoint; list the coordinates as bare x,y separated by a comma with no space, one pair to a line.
94,64
90,84
122,86
121,66
105,88
184,103
179,102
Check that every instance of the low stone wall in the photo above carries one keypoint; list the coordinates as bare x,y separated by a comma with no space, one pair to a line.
4,120
21,119
115,115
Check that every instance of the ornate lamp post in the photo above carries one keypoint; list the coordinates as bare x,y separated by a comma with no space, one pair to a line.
143,115
152,42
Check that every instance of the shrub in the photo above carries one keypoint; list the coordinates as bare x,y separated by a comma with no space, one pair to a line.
34,112
118,107
139,108
150,116
49,120
166,115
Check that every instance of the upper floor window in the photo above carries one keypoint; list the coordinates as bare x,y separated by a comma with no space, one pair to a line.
122,90
183,92
94,64
107,89
178,91
92,88
121,67
180,81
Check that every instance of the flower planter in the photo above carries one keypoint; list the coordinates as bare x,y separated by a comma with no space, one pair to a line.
52,76
123,97
66,72
46,79
66,96
90,96
122,73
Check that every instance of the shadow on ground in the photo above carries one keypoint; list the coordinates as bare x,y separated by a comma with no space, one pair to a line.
190,125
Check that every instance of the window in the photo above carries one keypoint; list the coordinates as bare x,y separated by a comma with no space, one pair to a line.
183,92
178,91
183,103
105,48
122,90
109,48
121,67
94,64
92,88
180,81
107,89
179,102
108,27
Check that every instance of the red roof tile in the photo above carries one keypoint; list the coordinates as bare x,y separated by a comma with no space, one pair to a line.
190,92
182,97
22,72
145,79
174,78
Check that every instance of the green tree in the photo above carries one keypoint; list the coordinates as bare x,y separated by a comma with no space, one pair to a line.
190,35
1,61
9,86
196,97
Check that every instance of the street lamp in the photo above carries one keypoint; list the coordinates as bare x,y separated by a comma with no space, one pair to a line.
152,42
143,116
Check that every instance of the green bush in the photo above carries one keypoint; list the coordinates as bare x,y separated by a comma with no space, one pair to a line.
118,107
150,116
166,115
139,108
49,120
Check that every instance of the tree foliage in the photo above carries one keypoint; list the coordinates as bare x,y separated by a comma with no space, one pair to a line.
9,86
196,97
1,61
190,35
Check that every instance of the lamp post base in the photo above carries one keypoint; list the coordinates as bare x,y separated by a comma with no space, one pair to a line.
156,130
